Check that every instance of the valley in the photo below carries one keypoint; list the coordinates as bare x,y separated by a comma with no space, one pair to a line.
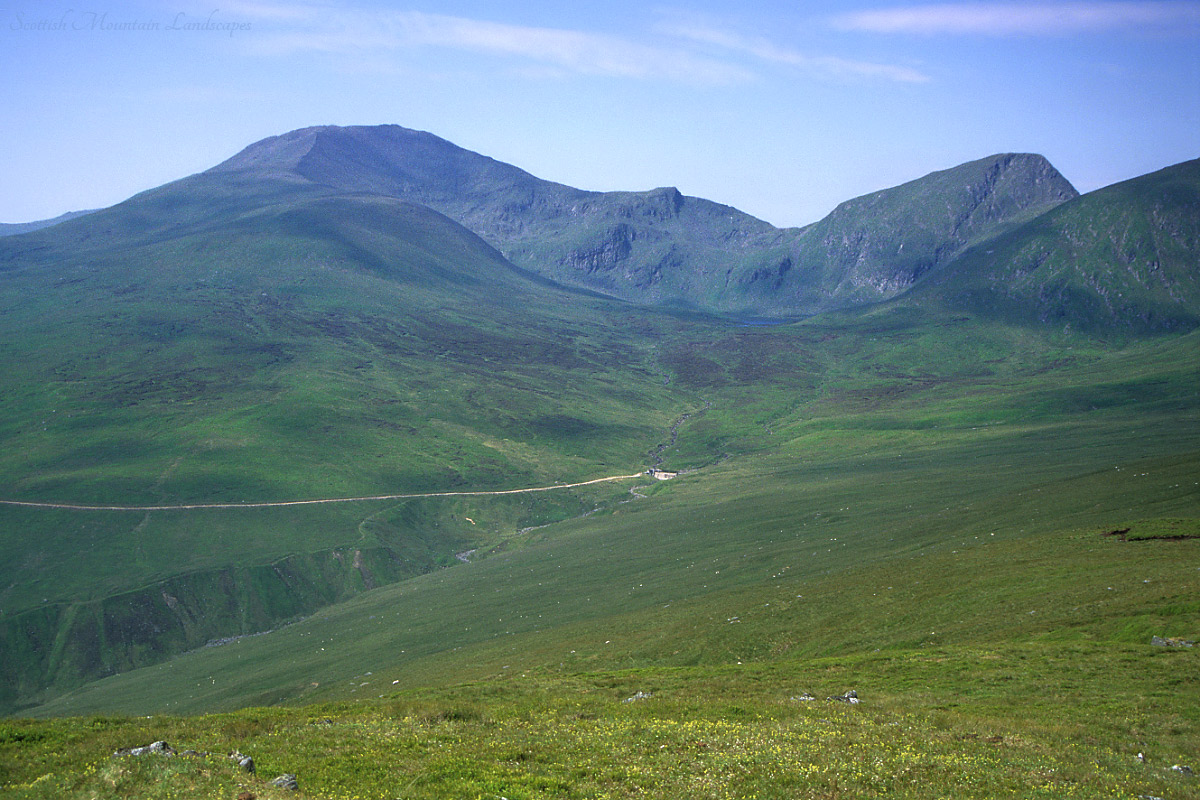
254,418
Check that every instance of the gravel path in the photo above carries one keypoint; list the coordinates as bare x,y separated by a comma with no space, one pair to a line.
192,506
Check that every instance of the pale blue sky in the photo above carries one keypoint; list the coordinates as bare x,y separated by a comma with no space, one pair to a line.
783,109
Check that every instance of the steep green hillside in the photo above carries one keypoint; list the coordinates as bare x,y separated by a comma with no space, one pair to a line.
1124,259
319,346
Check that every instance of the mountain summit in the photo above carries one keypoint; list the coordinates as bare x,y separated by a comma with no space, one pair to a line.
880,244
655,246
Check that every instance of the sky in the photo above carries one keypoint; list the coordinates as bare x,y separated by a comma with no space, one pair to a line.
782,109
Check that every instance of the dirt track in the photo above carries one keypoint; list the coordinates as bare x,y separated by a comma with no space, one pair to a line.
278,504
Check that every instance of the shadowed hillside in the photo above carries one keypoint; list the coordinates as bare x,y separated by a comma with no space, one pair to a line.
1123,259
200,343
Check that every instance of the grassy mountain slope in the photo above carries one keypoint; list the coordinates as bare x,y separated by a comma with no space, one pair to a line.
920,520
1019,722
871,473
1120,259
319,346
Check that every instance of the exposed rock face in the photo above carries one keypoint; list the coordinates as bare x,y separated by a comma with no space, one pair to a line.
614,247
771,276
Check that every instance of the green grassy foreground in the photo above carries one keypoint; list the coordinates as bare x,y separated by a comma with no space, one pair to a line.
987,726
987,705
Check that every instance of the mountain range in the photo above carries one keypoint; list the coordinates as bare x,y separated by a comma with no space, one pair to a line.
351,312
12,229
661,247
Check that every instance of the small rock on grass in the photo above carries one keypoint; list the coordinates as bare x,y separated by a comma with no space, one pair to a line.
287,781
850,697
243,761
1174,641
159,747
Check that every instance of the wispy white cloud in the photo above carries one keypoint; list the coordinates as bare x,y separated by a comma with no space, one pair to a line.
1025,18
684,52
296,29
265,11
764,49
578,51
